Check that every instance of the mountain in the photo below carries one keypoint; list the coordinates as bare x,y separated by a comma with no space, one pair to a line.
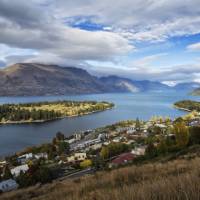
115,83
188,87
196,92
128,85
32,79
38,79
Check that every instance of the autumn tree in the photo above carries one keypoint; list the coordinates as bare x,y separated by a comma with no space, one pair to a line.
181,133
86,163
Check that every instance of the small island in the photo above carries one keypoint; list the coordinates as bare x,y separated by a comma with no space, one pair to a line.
188,105
45,111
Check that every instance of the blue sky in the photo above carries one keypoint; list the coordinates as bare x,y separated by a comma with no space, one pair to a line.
140,39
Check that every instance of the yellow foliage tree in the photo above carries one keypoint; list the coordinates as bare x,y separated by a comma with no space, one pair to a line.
104,153
86,163
182,134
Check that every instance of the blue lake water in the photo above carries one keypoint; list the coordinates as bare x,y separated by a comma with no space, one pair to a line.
128,106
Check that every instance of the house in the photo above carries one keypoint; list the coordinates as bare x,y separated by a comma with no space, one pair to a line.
24,158
70,141
95,146
139,151
77,157
8,185
41,155
17,170
3,163
122,159
132,131
117,139
194,122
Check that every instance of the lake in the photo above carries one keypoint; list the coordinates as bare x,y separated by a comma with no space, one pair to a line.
127,106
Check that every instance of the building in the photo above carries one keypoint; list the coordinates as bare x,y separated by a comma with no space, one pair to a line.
8,185
122,159
117,139
194,122
139,151
17,170
77,157
24,158
41,155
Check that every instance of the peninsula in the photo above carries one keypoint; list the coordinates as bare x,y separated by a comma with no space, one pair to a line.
45,111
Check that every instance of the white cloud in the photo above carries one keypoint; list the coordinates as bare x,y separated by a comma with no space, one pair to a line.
194,47
34,29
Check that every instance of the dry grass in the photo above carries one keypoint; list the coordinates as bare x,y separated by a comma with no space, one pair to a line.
174,180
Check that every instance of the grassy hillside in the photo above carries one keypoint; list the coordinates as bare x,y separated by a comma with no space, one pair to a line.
161,179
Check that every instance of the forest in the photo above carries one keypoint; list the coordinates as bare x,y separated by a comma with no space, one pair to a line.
44,111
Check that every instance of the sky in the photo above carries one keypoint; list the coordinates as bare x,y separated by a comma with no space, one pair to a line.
138,39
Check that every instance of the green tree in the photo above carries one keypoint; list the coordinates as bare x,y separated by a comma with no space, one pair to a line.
194,134
6,173
104,152
137,125
63,147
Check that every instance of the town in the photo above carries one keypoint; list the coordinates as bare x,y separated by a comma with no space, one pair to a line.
106,148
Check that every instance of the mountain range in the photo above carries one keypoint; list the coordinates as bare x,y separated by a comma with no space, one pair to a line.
32,79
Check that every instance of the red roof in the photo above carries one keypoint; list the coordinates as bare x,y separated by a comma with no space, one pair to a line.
123,158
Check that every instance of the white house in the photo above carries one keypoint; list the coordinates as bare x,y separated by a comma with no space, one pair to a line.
8,185
117,139
139,151
41,155
77,157
70,141
16,171
23,158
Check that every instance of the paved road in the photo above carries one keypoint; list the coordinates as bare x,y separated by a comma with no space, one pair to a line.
79,174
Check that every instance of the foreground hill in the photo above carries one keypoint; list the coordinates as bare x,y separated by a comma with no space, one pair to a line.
161,179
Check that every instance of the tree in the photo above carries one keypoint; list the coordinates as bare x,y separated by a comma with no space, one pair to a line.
182,134
137,125
63,147
151,150
194,134
162,147
6,173
60,136
86,163
104,153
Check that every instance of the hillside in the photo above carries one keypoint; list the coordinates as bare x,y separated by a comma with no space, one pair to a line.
32,79
128,85
163,179
188,86
37,79
196,92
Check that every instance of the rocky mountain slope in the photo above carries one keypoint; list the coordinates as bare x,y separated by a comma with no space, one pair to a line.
32,79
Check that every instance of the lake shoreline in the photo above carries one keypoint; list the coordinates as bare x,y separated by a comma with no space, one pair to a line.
181,108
